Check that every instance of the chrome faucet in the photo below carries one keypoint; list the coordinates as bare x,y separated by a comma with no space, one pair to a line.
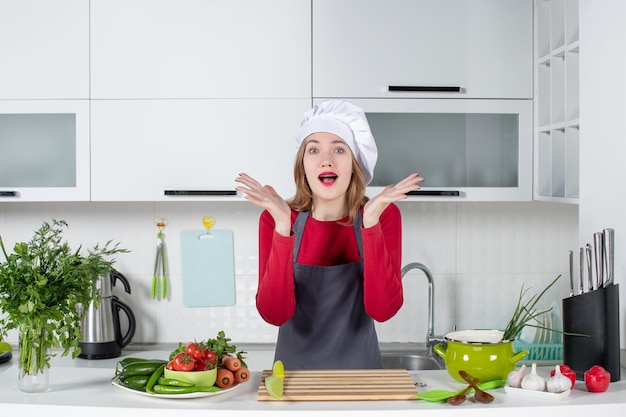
431,340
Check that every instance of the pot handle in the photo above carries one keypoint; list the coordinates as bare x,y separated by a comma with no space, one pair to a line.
118,305
441,349
519,355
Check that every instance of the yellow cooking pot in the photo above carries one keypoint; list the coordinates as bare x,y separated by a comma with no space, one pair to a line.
481,353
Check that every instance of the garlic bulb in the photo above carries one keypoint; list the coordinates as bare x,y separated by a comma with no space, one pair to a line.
559,382
514,378
534,381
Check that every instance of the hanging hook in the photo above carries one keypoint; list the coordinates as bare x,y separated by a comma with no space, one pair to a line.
208,222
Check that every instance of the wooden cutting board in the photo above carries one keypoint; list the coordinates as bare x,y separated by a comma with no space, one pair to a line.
343,385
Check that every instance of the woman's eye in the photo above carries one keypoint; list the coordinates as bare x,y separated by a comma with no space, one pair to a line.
313,150
339,150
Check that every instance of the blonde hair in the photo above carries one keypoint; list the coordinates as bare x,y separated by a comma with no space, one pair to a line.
303,199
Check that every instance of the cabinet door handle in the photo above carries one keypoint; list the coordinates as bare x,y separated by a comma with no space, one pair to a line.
426,88
188,193
9,193
438,193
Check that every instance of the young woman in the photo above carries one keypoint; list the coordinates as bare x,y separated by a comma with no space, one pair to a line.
330,258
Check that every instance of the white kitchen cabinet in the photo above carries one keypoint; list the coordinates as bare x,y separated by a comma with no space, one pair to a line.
200,49
557,136
362,48
44,47
185,150
44,150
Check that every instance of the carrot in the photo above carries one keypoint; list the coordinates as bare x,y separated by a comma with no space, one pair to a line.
231,363
242,375
225,378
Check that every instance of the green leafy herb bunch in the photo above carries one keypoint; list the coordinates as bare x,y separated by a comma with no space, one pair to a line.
43,286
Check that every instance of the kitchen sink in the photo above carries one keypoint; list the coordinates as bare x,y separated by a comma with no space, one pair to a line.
411,361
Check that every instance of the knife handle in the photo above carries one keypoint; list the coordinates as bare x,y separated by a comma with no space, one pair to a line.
598,245
609,253
589,268
571,273
582,271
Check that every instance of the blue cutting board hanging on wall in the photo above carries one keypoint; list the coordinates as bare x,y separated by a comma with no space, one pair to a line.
208,267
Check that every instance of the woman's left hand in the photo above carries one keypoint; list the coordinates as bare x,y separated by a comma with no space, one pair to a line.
390,194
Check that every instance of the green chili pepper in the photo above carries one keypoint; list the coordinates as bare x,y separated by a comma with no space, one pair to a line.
141,368
137,382
174,382
127,361
170,389
154,378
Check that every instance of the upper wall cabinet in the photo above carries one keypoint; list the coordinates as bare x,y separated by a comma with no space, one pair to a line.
44,49
44,150
557,133
200,49
466,150
182,150
423,48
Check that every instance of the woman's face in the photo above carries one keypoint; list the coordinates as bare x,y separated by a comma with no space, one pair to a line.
327,165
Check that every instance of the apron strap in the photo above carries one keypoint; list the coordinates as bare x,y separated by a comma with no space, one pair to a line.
298,229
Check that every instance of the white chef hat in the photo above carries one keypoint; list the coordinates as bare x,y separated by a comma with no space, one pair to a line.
347,121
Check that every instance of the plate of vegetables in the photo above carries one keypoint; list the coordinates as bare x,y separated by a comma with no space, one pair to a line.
193,370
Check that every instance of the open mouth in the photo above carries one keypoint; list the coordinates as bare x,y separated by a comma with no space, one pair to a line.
328,178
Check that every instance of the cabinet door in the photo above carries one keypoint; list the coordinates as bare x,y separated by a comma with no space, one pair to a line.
44,150
484,47
191,148
200,48
44,47
466,150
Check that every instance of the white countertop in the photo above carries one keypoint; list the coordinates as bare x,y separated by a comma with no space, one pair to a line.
82,385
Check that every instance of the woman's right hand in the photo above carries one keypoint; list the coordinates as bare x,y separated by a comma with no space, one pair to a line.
266,197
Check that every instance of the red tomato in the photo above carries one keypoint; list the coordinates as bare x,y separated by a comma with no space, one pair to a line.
597,379
208,360
568,372
195,350
184,362
201,366
210,356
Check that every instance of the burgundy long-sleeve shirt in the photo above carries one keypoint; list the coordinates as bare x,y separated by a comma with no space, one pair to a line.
325,244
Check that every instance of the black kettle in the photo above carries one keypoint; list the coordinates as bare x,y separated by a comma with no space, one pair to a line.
102,335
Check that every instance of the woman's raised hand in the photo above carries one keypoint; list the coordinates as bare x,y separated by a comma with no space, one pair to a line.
265,196
390,194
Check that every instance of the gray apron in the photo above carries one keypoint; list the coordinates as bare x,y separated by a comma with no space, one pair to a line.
329,329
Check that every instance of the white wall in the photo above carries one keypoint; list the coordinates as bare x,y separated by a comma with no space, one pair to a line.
603,142
479,253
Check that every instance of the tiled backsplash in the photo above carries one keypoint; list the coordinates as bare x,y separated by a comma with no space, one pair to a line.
480,254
